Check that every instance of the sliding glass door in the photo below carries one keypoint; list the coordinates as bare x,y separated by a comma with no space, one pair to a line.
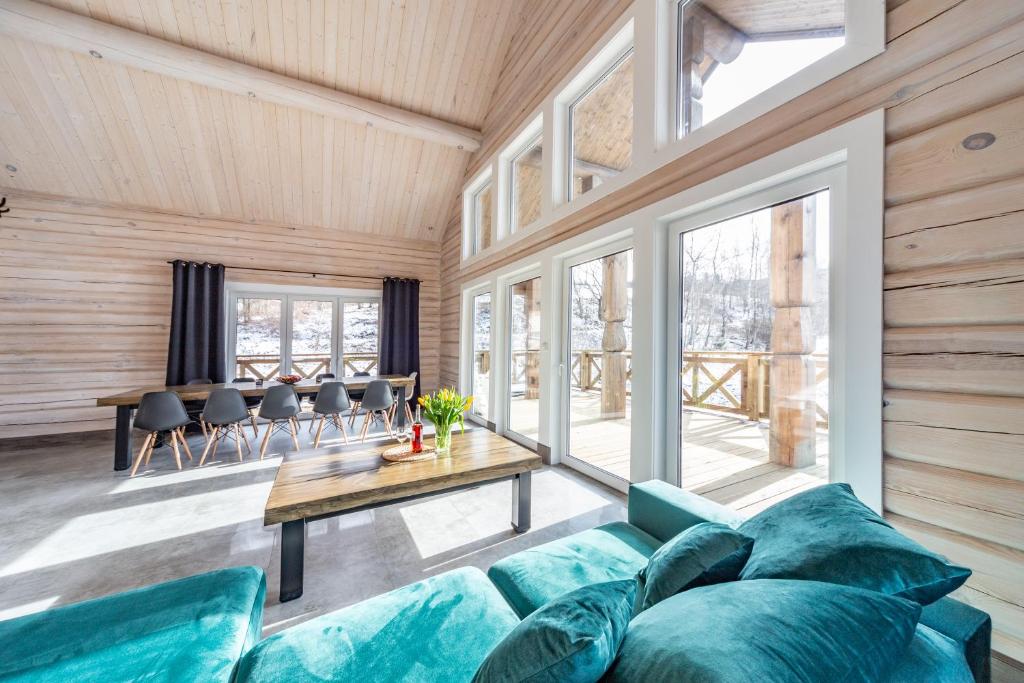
272,334
600,342
524,306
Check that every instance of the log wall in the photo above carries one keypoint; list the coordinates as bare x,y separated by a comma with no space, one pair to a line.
85,296
954,263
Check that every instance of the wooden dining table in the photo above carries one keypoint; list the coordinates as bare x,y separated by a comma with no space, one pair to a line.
127,401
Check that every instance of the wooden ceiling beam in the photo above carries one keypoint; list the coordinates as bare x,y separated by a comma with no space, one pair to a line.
58,28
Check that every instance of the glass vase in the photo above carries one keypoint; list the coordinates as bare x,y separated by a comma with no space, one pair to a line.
443,439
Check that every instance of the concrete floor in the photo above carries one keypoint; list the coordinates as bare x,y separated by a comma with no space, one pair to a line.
73,528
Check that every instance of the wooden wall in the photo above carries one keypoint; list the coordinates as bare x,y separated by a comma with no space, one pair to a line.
85,296
954,262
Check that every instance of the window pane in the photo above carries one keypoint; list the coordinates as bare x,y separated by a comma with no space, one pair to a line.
732,50
258,338
360,330
482,218
526,185
600,355
481,354
602,129
312,328
524,365
754,344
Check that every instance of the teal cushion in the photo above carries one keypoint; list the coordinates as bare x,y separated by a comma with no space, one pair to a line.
826,534
438,629
932,657
192,629
534,577
663,510
769,630
573,639
702,555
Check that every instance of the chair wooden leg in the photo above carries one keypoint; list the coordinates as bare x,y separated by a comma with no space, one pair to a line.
248,448
146,446
218,434
319,431
408,413
339,422
353,413
209,444
174,447
238,440
295,432
255,429
184,442
202,425
366,426
266,438
387,422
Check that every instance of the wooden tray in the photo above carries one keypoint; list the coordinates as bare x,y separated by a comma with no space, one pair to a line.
403,453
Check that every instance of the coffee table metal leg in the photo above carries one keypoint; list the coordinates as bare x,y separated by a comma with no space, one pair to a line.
123,439
521,502
293,538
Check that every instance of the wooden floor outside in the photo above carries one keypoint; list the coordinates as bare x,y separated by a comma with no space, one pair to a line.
724,458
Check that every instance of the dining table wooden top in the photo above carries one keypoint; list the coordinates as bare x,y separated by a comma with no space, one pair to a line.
199,392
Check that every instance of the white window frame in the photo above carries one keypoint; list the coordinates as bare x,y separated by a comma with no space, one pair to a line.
503,385
520,145
864,37
565,361
610,65
288,295
470,214
467,353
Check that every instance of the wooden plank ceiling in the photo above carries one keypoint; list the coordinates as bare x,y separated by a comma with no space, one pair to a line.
85,128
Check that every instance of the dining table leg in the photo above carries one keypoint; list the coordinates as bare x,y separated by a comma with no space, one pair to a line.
123,438
403,396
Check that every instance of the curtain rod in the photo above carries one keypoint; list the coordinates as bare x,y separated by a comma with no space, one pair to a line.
297,272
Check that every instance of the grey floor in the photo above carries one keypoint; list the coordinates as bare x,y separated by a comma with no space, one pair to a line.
73,528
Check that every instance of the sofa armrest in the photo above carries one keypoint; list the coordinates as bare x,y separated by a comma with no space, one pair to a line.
663,510
968,626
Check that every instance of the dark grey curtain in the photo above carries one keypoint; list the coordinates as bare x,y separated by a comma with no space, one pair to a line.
400,329
196,347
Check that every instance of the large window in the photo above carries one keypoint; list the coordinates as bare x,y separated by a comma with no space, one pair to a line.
277,333
728,51
754,351
481,376
600,356
525,184
524,358
601,128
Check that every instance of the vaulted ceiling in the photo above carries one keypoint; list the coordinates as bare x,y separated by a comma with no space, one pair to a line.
90,128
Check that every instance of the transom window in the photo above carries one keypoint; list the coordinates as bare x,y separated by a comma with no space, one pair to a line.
480,214
601,128
525,184
728,51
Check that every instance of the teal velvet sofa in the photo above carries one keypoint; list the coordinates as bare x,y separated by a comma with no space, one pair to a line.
205,628
192,629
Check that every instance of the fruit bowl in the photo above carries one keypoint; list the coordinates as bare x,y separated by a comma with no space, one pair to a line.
289,379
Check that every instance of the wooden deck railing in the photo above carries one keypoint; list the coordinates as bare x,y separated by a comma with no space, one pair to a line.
730,382
308,365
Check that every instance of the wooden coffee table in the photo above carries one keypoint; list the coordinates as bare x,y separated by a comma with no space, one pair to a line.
326,482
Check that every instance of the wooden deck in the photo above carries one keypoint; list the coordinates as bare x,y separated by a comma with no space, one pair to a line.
724,458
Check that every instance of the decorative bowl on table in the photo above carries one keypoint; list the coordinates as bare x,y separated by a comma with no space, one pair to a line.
289,379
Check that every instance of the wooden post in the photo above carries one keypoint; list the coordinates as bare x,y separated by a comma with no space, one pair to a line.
791,374
751,387
614,308
531,290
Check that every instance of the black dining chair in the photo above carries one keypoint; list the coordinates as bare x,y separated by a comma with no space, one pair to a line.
161,412
224,412
280,405
319,380
356,396
377,401
331,401
251,403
